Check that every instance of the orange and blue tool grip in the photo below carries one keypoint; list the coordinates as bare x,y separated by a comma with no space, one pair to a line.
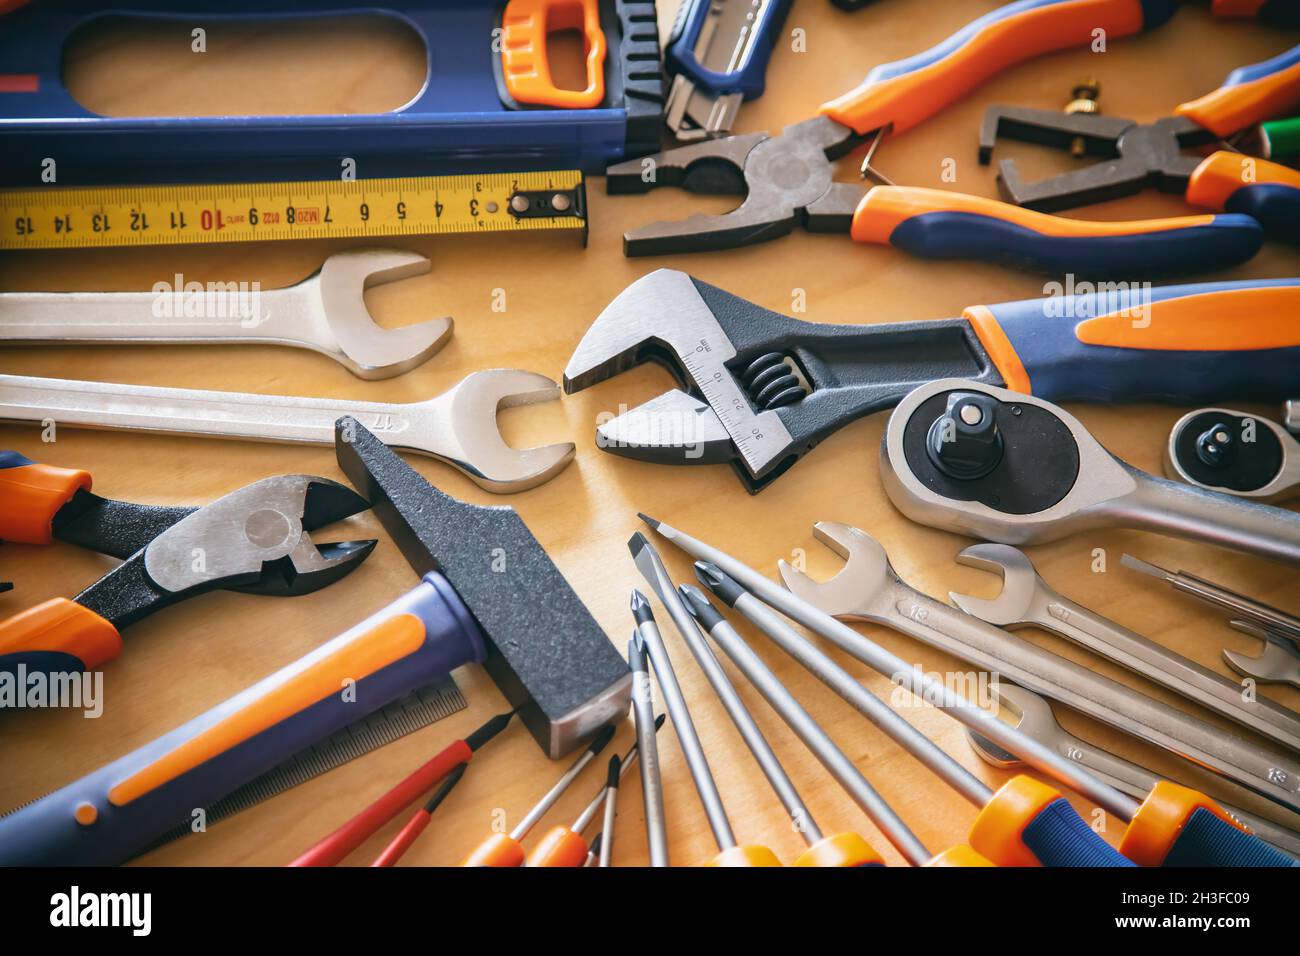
905,93
561,847
1267,192
56,637
1281,13
1028,823
1250,95
938,224
112,813
31,494
1177,826
1116,342
840,851
745,855
525,65
335,847
500,850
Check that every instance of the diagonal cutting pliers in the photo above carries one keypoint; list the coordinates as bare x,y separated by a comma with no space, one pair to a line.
787,179
1135,155
254,539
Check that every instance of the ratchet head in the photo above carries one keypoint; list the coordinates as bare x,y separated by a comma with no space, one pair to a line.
865,573
367,349
781,178
470,440
1019,584
1234,453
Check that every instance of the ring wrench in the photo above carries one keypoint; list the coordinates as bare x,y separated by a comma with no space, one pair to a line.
1015,469
458,426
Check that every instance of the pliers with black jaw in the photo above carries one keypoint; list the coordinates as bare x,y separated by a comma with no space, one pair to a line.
787,180
255,539
1133,155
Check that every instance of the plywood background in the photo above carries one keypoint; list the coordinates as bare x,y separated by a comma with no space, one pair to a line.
181,662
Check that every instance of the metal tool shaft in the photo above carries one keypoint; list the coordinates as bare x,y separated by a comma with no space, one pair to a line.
598,801
687,737
539,809
648,748
883,662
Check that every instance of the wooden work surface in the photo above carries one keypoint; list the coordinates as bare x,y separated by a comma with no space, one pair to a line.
181,662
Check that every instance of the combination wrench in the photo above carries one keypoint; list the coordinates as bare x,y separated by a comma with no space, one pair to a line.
326,312
1035,718
868,588
1027,600
459,426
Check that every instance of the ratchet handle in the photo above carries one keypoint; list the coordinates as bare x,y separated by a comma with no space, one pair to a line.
1188,344
747,76
908,92
56,637
1177,826
1250,95
937,224
31,494
112,813
1267,192
1028,823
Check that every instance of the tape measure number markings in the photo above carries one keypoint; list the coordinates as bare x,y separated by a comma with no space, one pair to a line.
252,212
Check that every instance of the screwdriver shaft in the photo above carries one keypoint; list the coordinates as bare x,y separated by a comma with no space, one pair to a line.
648,748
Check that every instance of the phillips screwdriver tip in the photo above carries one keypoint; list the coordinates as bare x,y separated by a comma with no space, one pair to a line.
641,607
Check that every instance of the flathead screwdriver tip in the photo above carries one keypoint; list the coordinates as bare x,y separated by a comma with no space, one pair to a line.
602,739
637,542
489,730
1146,567
615,766
652,522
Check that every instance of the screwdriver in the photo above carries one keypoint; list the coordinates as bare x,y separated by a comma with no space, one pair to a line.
333,848
816,740
730,852
1178,825
415,826
987,840
842,850
565,846
505,849
652,792
593,854
611,809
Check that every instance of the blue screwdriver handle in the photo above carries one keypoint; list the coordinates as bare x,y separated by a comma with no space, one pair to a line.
746,77
1179,826
1128,342
111,814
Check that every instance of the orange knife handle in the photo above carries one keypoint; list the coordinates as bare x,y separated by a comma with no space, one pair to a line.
58,636
902,94
31,494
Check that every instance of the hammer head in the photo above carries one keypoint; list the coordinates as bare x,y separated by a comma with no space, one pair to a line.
545,651
851,591
369,350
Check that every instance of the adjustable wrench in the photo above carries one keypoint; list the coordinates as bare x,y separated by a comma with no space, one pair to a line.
458,426
325,312
1036,719
984,461
1027,600
869,589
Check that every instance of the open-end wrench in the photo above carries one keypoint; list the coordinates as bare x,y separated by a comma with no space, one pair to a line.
325,312
1035,718
1277,663
1007,467
1026,600
458,426
868,588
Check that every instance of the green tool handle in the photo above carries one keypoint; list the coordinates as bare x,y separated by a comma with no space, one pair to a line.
1281,137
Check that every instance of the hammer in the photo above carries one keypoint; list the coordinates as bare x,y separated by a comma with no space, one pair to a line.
488,593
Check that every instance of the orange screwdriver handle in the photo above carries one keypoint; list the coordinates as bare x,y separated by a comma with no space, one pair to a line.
908,92
745,856
840,850
560,847
1177,826
1028,823
498,850
31,494
960,855
57,636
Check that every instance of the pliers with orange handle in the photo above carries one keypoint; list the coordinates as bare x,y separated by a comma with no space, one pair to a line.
254,539
1135,155
787,179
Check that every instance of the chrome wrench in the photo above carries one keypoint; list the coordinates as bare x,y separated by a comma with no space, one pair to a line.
458,426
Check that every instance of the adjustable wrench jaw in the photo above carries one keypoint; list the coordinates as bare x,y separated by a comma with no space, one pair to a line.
781,178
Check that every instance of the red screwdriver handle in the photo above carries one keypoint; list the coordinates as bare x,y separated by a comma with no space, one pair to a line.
333,848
